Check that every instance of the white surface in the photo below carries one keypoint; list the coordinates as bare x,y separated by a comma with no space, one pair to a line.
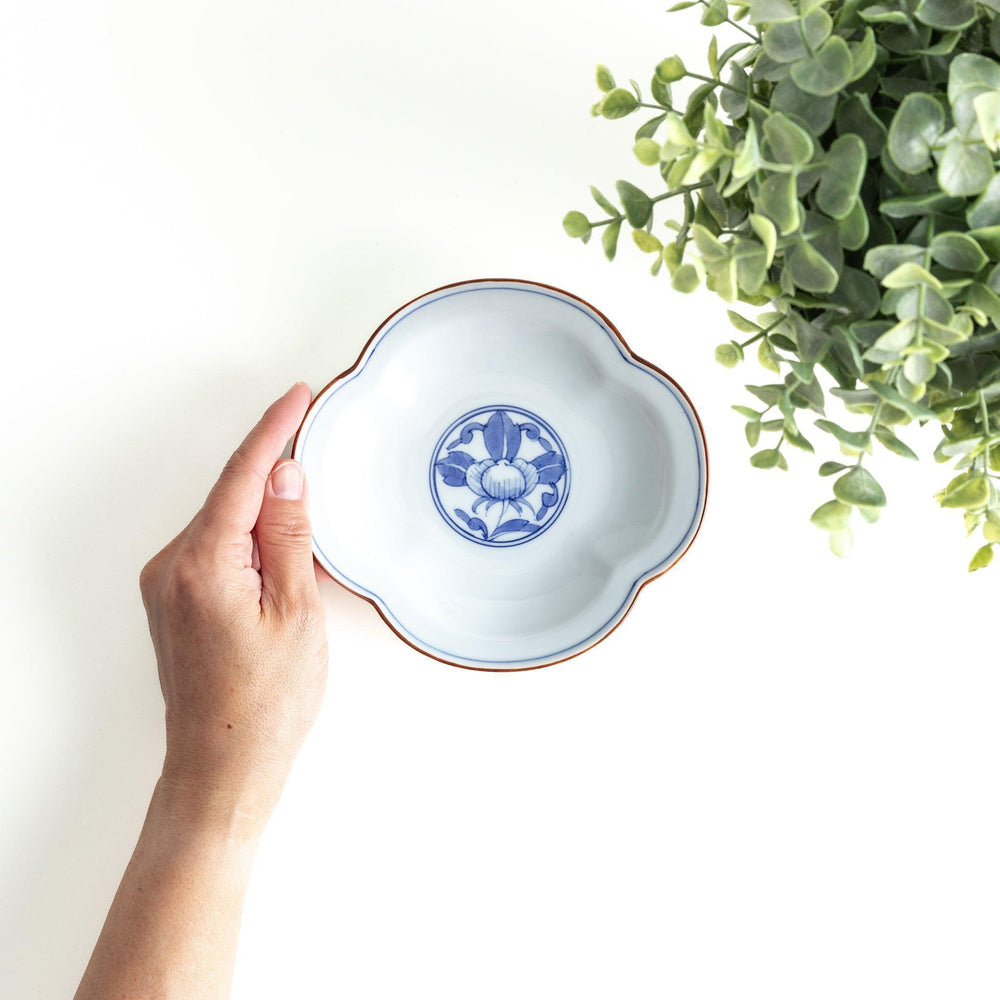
634,494
777,778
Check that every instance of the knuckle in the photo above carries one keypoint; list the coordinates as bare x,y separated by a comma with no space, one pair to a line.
295,530
149,577
186,576
241,464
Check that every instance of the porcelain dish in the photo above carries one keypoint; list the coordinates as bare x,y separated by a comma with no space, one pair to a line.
499,475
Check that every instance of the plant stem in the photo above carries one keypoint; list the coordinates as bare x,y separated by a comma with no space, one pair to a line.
922,291
689,213
876,413
718,83
763,333
684,189
984,412
738,27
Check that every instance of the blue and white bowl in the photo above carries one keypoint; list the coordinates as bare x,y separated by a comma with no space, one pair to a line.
499,475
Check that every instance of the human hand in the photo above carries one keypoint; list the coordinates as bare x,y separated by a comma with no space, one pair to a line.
237,624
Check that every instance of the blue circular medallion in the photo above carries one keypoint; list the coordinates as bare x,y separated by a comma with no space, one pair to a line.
499,475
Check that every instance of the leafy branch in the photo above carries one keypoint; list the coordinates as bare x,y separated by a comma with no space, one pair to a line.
836,169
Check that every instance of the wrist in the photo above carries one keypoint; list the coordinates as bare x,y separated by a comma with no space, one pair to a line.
196,808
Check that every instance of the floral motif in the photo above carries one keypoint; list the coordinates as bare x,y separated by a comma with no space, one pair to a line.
495,466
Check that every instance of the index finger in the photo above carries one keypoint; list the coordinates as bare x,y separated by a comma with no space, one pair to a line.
235,500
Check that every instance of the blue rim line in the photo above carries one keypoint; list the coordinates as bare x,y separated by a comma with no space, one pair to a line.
628,358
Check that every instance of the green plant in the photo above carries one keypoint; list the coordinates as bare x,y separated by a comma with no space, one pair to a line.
836,168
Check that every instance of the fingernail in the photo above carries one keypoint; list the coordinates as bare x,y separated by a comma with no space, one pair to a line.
286,481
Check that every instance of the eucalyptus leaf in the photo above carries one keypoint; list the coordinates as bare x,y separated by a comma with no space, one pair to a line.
991,529
766,459
605,81
618,103
982,558
988,237
826,72
857,292
637,204
748,158
915,128
577,225
810,270
969,492
811,342
832,468
841,542
966,168
856,440
685,278
609,239
787,142
766,232
987,109
864,54
735,97
603,202
715,12
890,441
647,151
855,227
729,355
762,11
946,15
789,41
741,322
778,200
646,242
671,69
884,14
856,117
969,76
912,206
910,407
832,516
816,113
911,275
859,488
883,260
870,514
958,251
906,39
986,209
840,185
918,368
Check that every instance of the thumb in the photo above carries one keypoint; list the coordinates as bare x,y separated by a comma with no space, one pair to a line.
284,540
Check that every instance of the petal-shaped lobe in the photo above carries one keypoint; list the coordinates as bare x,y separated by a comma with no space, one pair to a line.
551,467
473,477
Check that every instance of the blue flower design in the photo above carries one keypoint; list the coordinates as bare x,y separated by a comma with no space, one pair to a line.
496,466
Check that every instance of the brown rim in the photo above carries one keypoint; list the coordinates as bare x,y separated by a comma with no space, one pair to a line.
642,361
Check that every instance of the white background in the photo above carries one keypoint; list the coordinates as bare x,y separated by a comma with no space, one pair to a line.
777,778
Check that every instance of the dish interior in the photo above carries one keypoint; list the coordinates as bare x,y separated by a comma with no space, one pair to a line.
628,497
